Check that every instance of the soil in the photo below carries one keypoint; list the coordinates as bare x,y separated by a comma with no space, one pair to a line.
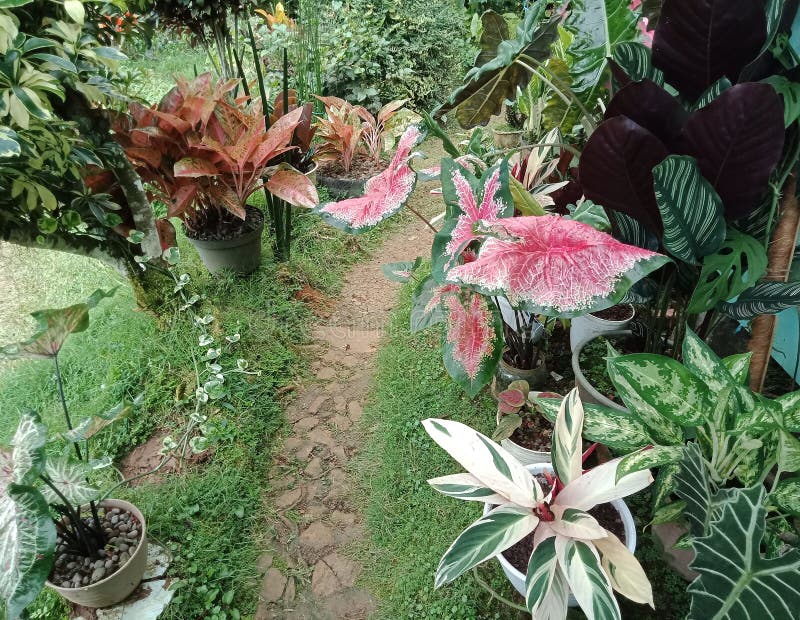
223,226
606,515
361,168
535,433
620,312
558,357
74,570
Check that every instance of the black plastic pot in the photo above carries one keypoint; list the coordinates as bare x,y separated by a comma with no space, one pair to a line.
240,254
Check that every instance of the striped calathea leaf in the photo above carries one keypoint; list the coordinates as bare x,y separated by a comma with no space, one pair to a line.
567,448
728,526
763,298
27,532
567,552
384,194
532,262
469,201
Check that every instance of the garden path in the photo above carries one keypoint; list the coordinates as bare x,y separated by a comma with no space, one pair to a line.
310,573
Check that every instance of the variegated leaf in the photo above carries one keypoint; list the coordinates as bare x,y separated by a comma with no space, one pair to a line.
763,298
486,460
574,523
739,367
493,533
69,477
402,271
788,452
665,484
657,386
669,512
293,187
600,485
623,570
27,544
691,209
618,430
471,163
589,584
540,577
790,405
467,487
469,201
23,462
384,194
648,458
533,262
94,424
634,59
567,445
473,339
786,496
426,303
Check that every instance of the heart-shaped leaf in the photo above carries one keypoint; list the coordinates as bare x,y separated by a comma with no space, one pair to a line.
426,303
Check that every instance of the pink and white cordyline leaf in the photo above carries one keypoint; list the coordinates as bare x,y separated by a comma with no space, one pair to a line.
384,194
598,486
555,266
478,454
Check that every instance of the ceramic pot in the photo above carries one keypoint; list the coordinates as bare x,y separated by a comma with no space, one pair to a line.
524,455
507,139
582,328
586,390
117,587
517,579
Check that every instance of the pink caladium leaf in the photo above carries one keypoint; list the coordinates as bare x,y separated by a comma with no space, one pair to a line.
473,339
426,303
554,266
469,200
402,271
384,194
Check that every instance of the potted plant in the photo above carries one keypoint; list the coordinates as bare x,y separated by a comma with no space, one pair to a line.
205,155
521,429
55,527
508,135
544,514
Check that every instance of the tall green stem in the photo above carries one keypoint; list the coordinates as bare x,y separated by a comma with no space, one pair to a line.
63,399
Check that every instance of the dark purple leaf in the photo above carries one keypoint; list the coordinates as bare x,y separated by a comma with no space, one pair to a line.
737,140
652,107
699,41
616,170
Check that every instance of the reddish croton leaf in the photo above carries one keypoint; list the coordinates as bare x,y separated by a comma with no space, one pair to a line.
469,200
554,266
473,339
384,194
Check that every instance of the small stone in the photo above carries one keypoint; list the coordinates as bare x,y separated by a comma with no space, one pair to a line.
314,468
114,540
340,422
66,584
85,580
316,536
274,583
290,591
72,565
114,519
76,580
101,553
115,511
306,423
98,564
87,562
122,547
98,574
109,564
115,558
133,534
124,527
124,557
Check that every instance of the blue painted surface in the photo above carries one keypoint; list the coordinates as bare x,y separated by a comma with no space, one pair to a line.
786,348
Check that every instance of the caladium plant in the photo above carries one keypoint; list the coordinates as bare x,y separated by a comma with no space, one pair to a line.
571,550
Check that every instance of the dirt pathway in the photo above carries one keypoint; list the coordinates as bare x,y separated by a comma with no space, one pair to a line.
309,574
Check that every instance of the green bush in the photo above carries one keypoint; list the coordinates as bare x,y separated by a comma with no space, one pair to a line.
376,51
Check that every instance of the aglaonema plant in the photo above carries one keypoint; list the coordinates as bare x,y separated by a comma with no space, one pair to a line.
572,550
705,404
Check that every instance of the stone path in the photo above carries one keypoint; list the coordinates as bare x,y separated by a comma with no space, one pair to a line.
309,574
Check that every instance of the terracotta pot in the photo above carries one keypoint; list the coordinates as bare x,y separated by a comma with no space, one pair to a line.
586,390
507,139
117,587
241,254
582,328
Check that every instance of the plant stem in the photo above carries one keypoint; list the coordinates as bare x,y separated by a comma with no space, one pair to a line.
64,405
494,594
421,217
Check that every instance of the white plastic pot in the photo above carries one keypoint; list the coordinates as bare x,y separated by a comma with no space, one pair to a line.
517,579
586,390
584,328
523,455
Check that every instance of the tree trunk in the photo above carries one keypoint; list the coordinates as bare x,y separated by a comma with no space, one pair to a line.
780,254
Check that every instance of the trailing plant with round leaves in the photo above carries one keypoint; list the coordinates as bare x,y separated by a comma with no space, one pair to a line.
572,551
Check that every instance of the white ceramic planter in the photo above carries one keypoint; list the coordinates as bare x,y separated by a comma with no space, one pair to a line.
517,579
523,455
586,390
584,328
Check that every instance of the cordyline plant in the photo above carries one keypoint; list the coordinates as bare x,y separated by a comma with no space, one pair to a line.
206,155
745,438
572,551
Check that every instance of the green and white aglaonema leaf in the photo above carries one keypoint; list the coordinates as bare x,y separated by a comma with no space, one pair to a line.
69,477
53,328
546,588
649,458
735,580
665,483
567,445
790,406
786,496
92,425
691,209
788,452
728,272
493,533
739,366
705,364
27,545
586,578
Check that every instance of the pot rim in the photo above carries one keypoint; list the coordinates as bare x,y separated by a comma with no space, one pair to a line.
619,322
244,238
134,510
576,368
540,367
508,132
621,507
523,448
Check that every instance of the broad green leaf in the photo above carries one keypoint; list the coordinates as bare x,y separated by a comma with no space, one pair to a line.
27,545
400,272
58,62
763,298
634,59
75,10
648,458
557,113
23,462
705,364
618,430
567,445
586,578
493,533
466,487
739,367
541,578
94,424
691,210
623,570
69,477
524,202
665,484
790,404
509,423
486,460
788,452
734,268
654,385
790,92
786,496
694,486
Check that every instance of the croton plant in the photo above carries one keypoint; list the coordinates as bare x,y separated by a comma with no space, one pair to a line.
572,551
